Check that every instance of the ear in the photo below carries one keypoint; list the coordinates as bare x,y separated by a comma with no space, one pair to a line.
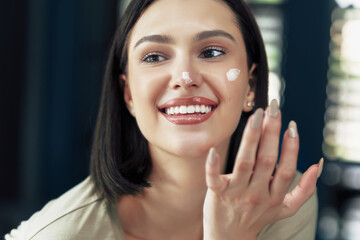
123,81
250,95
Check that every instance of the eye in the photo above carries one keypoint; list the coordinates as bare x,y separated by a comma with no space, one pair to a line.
212,52
153,58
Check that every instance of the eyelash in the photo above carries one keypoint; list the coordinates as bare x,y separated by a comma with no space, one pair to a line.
146,58
218,49
153,54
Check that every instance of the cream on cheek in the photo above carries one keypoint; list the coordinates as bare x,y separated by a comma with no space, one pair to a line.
232,74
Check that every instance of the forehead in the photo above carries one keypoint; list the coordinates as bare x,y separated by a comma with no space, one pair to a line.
184,16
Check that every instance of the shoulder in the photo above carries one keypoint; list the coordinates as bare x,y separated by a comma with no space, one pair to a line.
300,226
76,214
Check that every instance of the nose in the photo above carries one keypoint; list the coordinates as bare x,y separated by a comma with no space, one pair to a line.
185,76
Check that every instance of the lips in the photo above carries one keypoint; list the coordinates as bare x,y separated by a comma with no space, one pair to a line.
185,111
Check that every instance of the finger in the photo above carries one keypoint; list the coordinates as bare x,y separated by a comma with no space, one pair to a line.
286,169
302,192
245,158
268,148
213,178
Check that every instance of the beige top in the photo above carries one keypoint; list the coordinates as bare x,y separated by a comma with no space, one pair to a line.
82,215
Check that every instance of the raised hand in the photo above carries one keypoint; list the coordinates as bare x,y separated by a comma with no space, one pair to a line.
241,204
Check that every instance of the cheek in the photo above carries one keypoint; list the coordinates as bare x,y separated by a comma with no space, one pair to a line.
146,86
145,89
230,83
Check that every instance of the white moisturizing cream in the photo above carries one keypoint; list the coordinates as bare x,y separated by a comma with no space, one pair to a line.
186,77
232,74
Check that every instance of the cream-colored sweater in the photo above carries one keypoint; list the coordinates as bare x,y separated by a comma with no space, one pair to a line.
82,215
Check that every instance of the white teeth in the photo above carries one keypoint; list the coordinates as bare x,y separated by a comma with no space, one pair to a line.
191,109
177,110
197,108
183,109
208,109
188,109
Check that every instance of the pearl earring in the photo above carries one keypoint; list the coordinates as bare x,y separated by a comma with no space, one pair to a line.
250,104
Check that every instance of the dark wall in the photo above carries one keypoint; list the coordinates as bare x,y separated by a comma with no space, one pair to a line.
13,15
52,60
307,36
305,66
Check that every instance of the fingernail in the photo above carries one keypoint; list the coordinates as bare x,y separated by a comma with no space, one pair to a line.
293,129
211,157
274,108
258,116
321,165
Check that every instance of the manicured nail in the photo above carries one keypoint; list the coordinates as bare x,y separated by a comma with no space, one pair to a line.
293,129
257,120
211,157
274,108
321,165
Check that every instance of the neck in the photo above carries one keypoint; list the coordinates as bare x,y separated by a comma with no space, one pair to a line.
174,203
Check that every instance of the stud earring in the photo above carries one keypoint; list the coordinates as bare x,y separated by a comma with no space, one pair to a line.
250,104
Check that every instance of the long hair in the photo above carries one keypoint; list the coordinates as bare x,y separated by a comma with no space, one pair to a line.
120,159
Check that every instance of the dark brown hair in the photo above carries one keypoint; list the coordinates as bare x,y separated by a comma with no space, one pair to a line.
120,159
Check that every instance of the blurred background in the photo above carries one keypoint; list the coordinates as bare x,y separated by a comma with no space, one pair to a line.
52,57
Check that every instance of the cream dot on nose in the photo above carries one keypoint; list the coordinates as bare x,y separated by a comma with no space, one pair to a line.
186,77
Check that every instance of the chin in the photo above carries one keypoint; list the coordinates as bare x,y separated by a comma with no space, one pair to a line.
191,147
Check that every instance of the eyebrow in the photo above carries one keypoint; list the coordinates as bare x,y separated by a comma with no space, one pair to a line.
199,37
214,33
155,38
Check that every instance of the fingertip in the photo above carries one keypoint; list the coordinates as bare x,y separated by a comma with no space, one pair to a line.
309,178
292,130
257,119
213,170
320,167
273,109
311,170
211,162
211,159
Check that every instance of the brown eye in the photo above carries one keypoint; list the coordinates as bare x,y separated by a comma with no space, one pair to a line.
212,53
153,58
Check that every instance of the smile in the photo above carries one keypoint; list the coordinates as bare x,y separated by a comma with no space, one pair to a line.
186,111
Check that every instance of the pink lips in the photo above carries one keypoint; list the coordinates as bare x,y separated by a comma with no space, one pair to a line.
187,119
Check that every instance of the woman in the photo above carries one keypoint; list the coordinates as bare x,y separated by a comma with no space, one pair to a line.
182,80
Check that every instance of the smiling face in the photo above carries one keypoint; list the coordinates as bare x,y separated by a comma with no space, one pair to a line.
180,53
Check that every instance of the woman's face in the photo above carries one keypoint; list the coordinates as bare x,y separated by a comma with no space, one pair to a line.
183,54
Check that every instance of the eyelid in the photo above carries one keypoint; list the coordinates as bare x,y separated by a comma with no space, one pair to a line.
217,48
143,58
